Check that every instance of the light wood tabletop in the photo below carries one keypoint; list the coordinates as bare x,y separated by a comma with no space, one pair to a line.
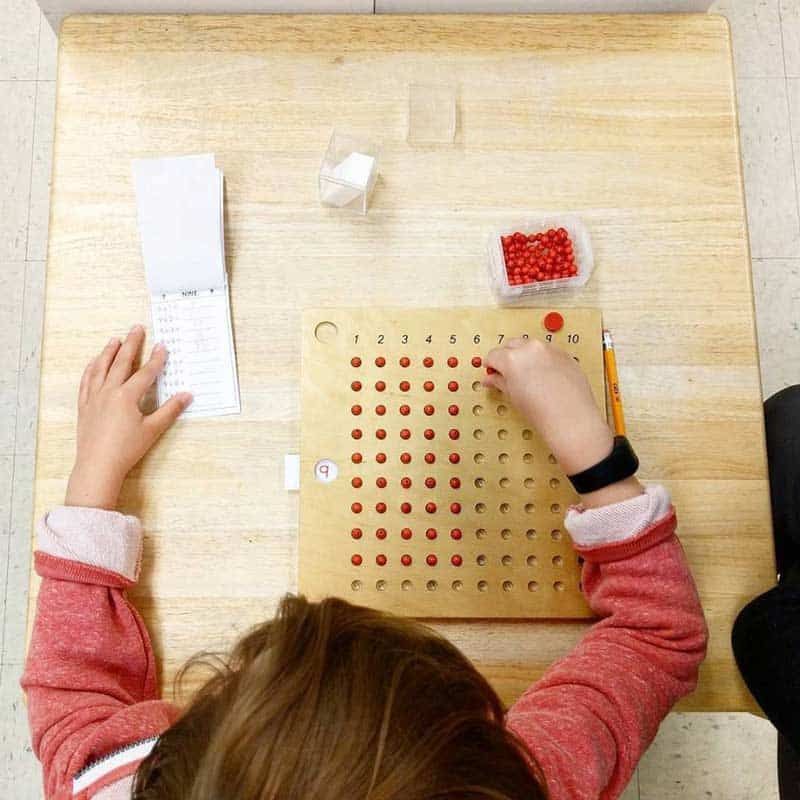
628,121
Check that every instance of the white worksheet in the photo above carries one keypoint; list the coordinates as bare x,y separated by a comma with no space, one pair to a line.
180,213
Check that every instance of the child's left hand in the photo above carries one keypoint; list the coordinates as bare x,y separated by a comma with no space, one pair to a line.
113,434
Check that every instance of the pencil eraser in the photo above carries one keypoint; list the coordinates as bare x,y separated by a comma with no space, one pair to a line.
291,472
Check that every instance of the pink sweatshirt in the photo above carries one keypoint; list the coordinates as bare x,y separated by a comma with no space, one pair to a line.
94,705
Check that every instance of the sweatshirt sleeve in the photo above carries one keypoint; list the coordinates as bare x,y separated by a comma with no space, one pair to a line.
90,676
592,715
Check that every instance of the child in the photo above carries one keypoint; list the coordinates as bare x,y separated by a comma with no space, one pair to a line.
334,702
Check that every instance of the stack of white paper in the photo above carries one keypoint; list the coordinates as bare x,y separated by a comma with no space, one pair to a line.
179,205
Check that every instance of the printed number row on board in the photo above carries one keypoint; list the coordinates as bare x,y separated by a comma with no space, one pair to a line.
572,338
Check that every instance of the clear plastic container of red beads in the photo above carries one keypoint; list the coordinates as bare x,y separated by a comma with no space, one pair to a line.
539,254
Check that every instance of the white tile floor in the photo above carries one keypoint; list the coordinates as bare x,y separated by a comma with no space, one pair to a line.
704,756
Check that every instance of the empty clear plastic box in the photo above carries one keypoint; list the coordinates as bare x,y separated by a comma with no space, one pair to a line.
348,172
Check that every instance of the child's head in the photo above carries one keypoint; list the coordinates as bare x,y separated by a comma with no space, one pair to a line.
331,701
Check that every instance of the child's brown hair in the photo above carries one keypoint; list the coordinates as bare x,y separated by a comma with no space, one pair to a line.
331,701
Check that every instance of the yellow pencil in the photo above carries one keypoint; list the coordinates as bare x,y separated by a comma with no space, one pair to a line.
612,379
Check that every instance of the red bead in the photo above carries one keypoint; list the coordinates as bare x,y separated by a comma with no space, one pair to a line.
431,560
405,433
356,458
380,508
453,386
355,433
452,361
455,508
380,433
431,533
356,386
427,361
405,458
355,361
356,508
430,508
380,560
405,508
381,483
454,458
429,433
428,386
453,433
405,410
429,410
357,483
430,482
380,458
356,410
380,361
406,533
553,322
355,560
405,361
380,386
356,533
455,483
490,370
430,458
456,560
476,361
405,483
452,410
455,534
380,533
405,560
380,410
404,386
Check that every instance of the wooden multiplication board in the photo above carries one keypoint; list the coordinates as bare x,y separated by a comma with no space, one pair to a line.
421,491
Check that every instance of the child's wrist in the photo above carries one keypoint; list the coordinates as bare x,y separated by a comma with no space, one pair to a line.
618,492
93,489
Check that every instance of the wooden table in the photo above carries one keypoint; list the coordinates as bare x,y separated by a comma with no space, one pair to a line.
628,120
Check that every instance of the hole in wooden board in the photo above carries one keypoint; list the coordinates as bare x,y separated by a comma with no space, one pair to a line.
555,535
533,586
528,483
380,586
527,433
480,533
502,410
558,561
505,508
457,586
480,508
502,434
532,561
527,458
431,586
559,586
326,332
479,458
503,458
477,433
508,586
483,586
480,483
406,585
481,560
477,410
506,561
530,534
551,458
356,586
554,483
476,386
505,533
555,508
529,508
505,483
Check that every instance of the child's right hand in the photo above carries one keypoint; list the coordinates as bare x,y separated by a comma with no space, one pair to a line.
551,391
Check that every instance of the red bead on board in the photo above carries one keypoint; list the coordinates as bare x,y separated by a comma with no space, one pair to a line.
431,560
456,560
380,533
380,508
355,361
405,560
405,508
454,458
429,410
455,508
356,560
380,361
381,482
405,433
430,507
430,458
431,533
427,361
380,458
380,433
456,534
476,361
356,533
405,482
404,386
356,508
355,410
453,386
453,433
356,458
405,410
430,482
355,433
455,483
452,361
405,361
380,560
406,533
452,410
405,458
356,386
429,433
380,386
380,410
357,483
428,386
